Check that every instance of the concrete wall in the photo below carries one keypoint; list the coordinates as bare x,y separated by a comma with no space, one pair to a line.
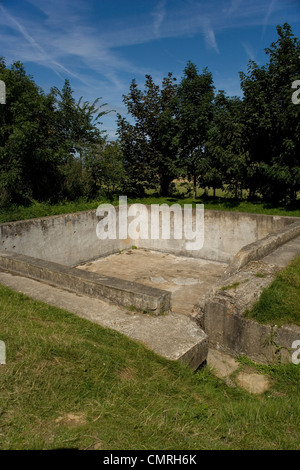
71,239
225,233
236,335
66,239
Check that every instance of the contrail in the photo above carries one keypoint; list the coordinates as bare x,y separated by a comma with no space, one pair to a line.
30,39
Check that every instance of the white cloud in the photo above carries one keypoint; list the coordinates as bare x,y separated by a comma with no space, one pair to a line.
67,40
158,14
268,15
209,36
41,56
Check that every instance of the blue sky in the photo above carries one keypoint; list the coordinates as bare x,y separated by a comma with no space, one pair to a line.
101,45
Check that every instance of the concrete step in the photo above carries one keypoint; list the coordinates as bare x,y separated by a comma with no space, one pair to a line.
173,336
120,291
283,255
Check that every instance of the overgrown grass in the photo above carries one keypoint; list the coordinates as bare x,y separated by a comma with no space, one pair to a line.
280,302
69,383
220,202
43,209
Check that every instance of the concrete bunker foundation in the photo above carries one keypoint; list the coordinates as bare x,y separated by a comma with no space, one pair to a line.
55,250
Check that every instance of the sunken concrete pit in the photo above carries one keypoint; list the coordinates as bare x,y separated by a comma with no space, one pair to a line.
153,290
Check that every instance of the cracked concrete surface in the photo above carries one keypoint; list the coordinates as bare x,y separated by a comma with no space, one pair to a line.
188,279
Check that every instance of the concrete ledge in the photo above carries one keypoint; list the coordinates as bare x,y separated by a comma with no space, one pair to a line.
172,336
197,354
126,293
221,316
240,336
263,247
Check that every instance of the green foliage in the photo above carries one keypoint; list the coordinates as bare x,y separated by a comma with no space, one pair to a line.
52,146
272,121
195,96
250,143
104,169
227,156
150,144
28,167
43,140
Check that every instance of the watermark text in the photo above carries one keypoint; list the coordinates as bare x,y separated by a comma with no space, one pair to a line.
2,353
296,94
154,222
2,92
296,354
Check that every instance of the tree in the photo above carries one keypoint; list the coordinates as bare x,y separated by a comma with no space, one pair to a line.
28,166
77,133
272,120
150,144
105,169
76,123
195,96
226,154
43,139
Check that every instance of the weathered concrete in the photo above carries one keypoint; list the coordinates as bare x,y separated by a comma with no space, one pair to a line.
220,312
263,247
235,374
67,239
126,293
47,249
71,239
225,233
221,364
187,279
253,383
172,336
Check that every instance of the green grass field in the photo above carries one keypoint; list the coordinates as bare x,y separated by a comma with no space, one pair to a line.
280,302
69,383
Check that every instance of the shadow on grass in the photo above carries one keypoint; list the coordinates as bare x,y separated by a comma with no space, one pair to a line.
288,207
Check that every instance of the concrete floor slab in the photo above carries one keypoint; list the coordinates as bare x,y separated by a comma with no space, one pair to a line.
188,279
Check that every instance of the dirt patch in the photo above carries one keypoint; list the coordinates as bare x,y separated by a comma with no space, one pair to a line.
71,420
98,446
253,383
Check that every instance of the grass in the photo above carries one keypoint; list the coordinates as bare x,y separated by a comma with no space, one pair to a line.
231,286
43,209
69,383
280,302
220,202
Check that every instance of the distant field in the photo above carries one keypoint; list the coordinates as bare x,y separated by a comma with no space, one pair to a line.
71,384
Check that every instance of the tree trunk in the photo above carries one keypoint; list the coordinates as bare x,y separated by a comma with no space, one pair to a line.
195,187
165,182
